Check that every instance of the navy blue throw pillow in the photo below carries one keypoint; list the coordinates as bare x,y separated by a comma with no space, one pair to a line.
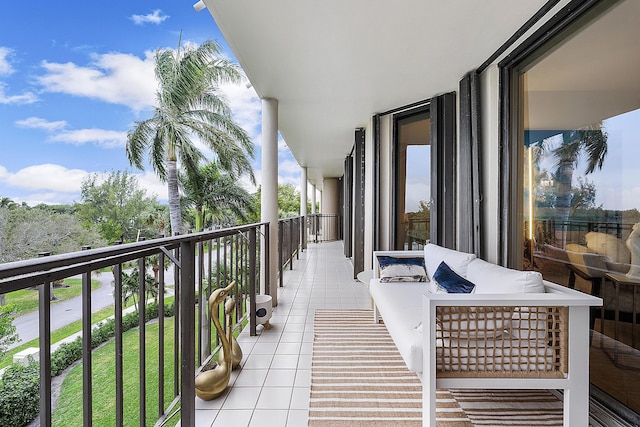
451,281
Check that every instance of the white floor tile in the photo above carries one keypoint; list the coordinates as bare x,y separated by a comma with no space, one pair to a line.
242,398
258,361
235,418
274,398
268,418
285,361
251,378
288,348
297,418
300,398
280,378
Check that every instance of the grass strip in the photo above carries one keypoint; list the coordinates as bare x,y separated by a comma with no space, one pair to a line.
26,300
69,409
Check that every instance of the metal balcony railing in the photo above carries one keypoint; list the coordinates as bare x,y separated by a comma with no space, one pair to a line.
290,243
201,262
324,227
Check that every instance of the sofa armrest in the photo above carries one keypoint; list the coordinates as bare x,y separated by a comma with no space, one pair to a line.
455,345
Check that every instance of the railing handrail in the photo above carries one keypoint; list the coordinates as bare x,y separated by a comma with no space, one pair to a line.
106,255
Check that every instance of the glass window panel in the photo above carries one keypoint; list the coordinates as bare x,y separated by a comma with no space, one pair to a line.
413,191
581,183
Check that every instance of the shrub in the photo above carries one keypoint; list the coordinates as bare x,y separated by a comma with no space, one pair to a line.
19,395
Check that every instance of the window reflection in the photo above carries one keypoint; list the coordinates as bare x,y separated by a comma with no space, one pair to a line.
581,186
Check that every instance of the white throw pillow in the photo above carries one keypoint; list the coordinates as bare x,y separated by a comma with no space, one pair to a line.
458,261
493,279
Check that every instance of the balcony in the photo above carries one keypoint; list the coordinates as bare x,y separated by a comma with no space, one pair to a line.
273,386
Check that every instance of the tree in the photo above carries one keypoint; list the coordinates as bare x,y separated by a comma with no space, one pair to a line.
189,106
7,330
215,196
131,286
591,141
118,206
583,196
288,202
25,232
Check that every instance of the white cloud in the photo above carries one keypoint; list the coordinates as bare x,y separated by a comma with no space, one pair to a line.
117,78
56,184
289,167
58,133
101,137
25,98
45,177
151,18
38,123
5,66
246,107
150,182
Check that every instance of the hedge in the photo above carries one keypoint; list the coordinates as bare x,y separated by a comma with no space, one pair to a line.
20,385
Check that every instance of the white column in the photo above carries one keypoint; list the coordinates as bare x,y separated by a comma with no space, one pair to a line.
303,204
313,199
269,196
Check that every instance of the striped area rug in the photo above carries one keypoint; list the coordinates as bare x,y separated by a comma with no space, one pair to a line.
358,379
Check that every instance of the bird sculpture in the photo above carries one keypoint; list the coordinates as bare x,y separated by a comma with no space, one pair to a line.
212,383
236,351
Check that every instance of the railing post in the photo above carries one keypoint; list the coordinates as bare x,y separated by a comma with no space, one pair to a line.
252,281
142,314
44,303
177,315
117,296
160,334
280,249
291,239
87,386
267,260
187,332
205,339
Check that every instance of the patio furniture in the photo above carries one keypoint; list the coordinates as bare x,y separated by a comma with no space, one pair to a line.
514,331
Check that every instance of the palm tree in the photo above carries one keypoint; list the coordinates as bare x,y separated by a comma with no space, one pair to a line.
189,106
590,141
214,195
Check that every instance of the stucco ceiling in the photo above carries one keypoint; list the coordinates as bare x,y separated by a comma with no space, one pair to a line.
332,64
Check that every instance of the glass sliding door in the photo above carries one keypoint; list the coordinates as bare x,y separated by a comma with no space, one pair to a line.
577,116
412,179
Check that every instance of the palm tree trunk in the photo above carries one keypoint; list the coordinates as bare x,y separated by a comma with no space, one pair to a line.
563,198
174,197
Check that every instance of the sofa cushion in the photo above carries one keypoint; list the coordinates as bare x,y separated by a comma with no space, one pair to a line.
402,269
451,282
458,261
608,245
400,306
494,279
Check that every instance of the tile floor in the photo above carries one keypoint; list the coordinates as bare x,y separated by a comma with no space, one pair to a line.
272,388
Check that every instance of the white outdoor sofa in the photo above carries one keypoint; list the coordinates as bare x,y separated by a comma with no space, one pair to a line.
515,331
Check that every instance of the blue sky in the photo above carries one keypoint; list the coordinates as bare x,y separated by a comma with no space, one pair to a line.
76,75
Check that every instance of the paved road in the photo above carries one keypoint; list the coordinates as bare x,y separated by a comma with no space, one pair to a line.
65,312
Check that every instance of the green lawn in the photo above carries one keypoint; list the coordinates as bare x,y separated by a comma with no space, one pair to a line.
64,332
69,409
26,300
